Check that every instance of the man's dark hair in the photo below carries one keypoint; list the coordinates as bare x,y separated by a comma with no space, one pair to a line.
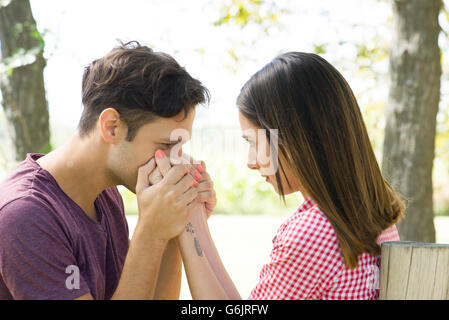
140,84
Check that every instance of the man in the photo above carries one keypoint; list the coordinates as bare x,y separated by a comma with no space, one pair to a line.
63,232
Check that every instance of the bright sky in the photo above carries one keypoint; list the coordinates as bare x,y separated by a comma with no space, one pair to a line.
80,31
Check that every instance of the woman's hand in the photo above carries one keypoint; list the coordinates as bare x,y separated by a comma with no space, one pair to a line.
205,185
206,192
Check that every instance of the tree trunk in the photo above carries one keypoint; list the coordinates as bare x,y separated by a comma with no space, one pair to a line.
22,79
409,144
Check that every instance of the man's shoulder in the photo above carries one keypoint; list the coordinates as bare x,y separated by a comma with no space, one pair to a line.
20,184
23,212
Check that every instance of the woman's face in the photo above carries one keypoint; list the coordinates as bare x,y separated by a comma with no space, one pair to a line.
259,158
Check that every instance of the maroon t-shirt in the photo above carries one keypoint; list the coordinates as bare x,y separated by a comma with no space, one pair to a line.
49,247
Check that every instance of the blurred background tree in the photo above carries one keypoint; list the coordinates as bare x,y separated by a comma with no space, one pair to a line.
409,144
22,79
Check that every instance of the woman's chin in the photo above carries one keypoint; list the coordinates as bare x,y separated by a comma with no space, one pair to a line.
285,192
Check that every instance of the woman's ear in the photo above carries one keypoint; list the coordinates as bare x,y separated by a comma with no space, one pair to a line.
110,126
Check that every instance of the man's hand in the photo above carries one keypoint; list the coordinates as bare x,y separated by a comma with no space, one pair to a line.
164,208
205,186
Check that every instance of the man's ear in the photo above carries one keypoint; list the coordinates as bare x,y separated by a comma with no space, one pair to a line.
110,126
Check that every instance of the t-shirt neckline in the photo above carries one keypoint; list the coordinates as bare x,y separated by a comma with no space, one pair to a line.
31,159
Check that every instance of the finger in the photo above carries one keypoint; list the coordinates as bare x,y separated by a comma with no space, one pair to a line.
194,172
189,162
205,185
142,175
205,196
189,196
175,174
155,176
163,162
185,184
201,167
198,165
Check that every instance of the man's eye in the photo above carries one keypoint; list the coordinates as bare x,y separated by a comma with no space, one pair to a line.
167,145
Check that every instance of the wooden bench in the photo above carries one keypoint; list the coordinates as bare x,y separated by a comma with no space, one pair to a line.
414,271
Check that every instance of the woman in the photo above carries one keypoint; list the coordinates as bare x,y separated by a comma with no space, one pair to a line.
330,247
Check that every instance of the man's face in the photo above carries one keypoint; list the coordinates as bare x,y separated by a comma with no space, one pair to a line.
126,157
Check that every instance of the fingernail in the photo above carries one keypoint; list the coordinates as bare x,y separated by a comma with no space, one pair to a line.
199,168
195,184
159,154
197,176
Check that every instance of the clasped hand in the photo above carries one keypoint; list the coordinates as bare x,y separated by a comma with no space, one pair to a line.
168,194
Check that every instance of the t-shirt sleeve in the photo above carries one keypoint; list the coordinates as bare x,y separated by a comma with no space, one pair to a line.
304,258
36,254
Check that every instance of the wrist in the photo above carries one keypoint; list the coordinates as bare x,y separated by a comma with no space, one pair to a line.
146,235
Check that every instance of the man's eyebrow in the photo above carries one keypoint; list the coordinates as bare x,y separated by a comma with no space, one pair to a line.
169,141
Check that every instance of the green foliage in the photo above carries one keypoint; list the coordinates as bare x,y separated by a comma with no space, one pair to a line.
20,57
243,191
47,149
244,12
319,48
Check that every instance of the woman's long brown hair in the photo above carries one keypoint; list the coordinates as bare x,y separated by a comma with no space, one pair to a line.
324,139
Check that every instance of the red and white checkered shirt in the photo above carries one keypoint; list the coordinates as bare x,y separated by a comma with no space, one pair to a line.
307,263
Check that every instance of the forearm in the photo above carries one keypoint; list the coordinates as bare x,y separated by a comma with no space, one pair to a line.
213,257
201,258
140,271
169,280
203,283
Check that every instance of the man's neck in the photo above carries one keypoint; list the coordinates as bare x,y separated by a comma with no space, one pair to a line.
79,167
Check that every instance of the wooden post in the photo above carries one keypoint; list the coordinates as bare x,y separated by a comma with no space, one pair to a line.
414,271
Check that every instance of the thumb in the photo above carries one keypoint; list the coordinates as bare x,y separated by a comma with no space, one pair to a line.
142,175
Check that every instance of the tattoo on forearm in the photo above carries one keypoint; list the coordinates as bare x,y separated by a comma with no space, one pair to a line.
189,228
196,243
199,251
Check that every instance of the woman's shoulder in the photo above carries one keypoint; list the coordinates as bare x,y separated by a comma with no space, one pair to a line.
308,226
389,234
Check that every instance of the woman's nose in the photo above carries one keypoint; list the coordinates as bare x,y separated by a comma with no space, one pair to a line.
252,164
252,159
